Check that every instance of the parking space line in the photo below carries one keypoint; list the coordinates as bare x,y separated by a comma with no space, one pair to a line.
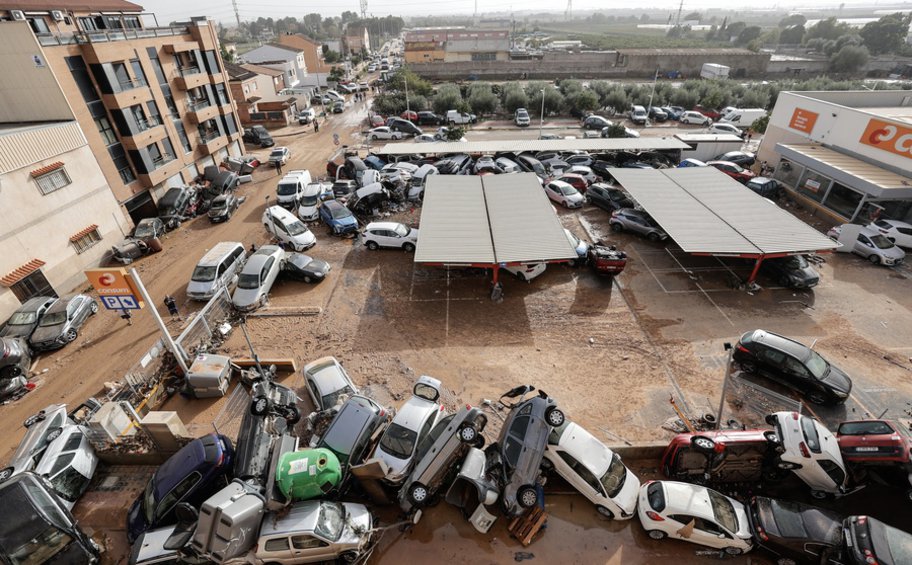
711,301
412,287
633,248
446,335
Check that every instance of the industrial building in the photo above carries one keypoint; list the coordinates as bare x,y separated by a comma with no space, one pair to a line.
846,154
455,45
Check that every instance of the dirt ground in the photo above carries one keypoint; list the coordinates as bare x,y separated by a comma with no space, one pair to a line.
611,352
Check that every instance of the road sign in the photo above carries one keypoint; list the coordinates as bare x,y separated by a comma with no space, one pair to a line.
112,283
123,302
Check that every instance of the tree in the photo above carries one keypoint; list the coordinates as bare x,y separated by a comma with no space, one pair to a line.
792,21
455,133
616,100
792,35
331,56
416,84
887,34
849,59
827,29
515,98
447,98
760,124
482,100
749,34
616,130
227,56
336,74
554,101
693,17
581,101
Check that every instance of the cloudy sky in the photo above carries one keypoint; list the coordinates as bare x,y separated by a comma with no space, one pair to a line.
168,10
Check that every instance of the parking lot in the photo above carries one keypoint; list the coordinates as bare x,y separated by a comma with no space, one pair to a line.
612,352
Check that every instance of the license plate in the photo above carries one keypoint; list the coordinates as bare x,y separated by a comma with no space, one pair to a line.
866,449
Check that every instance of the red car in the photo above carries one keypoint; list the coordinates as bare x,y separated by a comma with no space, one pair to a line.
727,456
875,441
714,115
606,260
576,181
736,172
376,120
410,115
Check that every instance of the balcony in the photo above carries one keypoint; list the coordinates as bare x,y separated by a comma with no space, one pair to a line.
212,142
201,110
108,36
189,77
180,46
150,131
165,168
132,93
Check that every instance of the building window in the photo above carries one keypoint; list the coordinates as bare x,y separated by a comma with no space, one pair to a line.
106,131
82,78
52,181
182,135
813,185
484,56
39,26
86,239
35,284
121,163
843,200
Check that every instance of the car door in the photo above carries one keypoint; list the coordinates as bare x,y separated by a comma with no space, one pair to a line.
903,236
581,478
863,245
276,550
711,534
553,192
309,549
514,446
177,494
797,374
770,362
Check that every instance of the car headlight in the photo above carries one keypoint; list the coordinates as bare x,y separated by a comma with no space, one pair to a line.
841,394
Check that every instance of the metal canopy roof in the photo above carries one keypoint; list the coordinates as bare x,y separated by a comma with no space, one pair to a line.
454,222
705,211
517,146
489,220
848,170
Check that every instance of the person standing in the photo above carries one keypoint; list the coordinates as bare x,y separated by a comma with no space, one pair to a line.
316,126
172,307
126,315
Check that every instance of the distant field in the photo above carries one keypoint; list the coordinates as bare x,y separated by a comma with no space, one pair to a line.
622,35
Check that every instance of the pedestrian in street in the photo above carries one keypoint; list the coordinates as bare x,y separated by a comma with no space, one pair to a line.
126,315
172,307
316,126
278,167
253,248
750,134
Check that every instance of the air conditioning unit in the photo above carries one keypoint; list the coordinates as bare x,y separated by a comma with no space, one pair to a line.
18,15
57,15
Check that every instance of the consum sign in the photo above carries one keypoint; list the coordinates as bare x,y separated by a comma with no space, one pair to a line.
889,137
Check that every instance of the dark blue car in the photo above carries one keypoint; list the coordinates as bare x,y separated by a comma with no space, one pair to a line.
200,469
339,218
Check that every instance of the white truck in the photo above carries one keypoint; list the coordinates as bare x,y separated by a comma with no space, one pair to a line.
742,117
457,117
712,71
707,146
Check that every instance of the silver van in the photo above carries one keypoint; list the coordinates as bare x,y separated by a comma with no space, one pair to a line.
218,268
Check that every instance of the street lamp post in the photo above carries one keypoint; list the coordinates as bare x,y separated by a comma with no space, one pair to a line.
541,119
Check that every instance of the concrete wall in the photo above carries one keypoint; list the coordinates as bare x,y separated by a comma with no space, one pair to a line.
689,62
34,95
552,65
36,226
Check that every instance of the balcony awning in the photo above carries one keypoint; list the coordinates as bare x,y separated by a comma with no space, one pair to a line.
83,232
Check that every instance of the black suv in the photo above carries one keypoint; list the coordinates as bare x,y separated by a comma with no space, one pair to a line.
596,122
178,204
795,532
607,197
349,434
404,126
793,271
257,135
794,365
426,118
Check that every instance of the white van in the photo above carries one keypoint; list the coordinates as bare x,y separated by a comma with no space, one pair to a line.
218,268
742,118
308,209
288,229
419,181
291,188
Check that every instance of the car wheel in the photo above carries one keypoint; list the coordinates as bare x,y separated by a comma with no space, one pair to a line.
733,551
480,442
605,512
587,200
653,236
818,494
771,436
617,228
657,534
292,415
418,494
372,245
784,281
554,416
350,556
54,434
10,372
703,444
817,397
788,465
259,406
748,366
94,307
374,137
521,276
527,496
34,419
307,279
874,259
71,335
6,474
408,247
467,433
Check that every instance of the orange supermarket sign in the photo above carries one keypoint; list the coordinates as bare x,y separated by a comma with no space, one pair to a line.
111,282
888,137
803,120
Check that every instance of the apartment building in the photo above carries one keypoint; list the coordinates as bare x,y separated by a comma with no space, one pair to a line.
152,101
256,89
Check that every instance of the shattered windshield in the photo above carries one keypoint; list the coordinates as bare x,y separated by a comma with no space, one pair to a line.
330,521
22,318
614,477
203,273
249,281
399,441
53,319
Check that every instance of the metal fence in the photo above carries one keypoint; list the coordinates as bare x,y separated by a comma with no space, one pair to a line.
203,331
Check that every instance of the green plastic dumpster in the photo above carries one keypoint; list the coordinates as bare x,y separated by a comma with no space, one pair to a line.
308,473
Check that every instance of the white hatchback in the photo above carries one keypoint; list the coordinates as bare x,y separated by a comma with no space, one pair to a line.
696,514
811,452
308,206
564,194
527,271
594,470
412,423
384,132
389,234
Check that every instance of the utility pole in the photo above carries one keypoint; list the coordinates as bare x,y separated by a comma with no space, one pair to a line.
237,14
541,118
166,336
364,9
680,7
568,14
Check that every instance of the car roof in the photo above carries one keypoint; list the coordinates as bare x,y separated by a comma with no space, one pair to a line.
382,225
777,341
188,459
300,517
332,204
32,304
687,498
895,223
258,259
795,520
414,412
586,448
326,371
214,255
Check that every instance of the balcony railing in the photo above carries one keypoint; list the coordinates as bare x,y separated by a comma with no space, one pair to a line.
105,36
206,137
148,123
187,70
126,85
197,105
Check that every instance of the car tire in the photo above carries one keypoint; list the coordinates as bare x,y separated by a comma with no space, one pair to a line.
587,200
292,415
418,494
527,496
372,245
818,494
748,367
787,465
771,437
374,138
54,434
71,335
467,433
260,405
784,281
480,443
94,307
34,419
617,228
874,259
656,534
604,512
817,397
703,444
408,247
307,279
10,372
653,236
733,551
554,416
349,556
6,474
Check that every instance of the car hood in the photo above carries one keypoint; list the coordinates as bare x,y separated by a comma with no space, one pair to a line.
837,379
893,252
319,266
307,211
19,330
358,523
627,498
397,467
47,333
347,221
574,197
246,299
136,519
